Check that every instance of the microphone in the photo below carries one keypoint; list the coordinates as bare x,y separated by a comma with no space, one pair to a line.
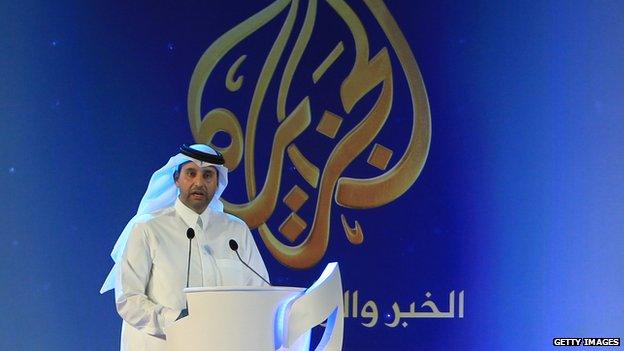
190,234
234,247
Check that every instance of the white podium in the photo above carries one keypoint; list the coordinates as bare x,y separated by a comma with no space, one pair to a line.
261,318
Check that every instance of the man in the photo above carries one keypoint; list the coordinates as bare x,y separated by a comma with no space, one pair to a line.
151,255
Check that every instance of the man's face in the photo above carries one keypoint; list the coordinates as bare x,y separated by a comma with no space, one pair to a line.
197,185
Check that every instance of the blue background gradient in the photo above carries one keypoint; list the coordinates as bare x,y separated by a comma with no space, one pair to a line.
520,203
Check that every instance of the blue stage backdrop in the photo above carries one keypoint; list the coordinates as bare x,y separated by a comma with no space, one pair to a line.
462,161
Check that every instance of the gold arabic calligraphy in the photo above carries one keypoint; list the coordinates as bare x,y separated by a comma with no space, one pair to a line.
366,74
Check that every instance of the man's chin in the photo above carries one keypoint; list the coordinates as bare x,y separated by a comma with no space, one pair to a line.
197,205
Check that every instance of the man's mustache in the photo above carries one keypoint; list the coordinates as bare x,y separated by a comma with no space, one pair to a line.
202,191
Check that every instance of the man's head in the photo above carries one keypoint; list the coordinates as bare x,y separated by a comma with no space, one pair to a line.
197,185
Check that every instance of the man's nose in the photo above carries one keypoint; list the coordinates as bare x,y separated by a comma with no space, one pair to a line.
198,182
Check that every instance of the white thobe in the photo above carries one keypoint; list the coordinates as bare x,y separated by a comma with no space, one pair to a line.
152,272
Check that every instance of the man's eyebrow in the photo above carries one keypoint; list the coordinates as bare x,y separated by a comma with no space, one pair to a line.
209,170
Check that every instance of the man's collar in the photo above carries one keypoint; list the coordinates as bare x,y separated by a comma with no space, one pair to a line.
188,215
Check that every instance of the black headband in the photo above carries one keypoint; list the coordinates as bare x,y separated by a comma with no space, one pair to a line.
202,156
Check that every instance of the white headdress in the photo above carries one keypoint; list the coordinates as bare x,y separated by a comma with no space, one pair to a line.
162,192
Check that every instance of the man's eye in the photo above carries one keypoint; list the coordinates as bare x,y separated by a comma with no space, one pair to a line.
208,175
191,173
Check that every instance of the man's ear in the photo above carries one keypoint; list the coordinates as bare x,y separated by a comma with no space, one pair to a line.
176,176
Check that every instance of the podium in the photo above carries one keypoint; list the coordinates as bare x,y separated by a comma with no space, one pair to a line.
261,318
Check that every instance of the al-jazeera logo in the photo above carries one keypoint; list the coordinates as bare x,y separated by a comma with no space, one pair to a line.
280,117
